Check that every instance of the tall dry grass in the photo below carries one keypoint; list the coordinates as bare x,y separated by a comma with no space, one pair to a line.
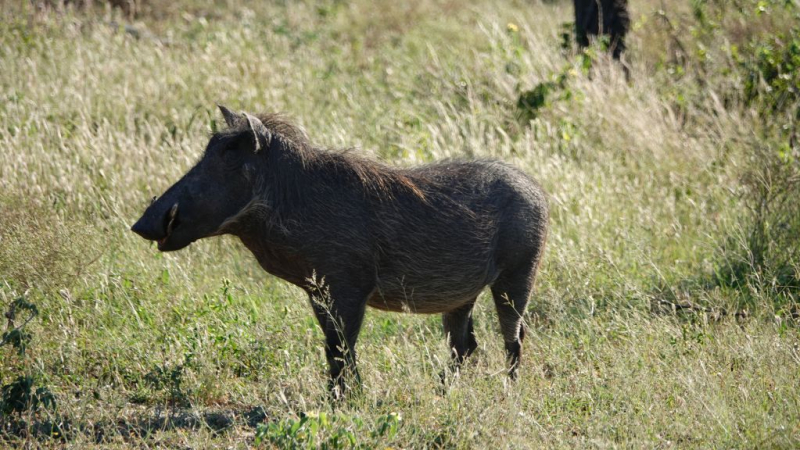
638,337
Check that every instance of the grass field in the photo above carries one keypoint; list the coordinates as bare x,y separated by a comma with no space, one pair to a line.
666,310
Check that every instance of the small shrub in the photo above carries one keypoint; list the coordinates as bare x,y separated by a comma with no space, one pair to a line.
306,433
21,394
765,254
169,380
772,72
327,432
530,102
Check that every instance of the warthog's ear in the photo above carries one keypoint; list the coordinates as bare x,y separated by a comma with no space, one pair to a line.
261,135
231,118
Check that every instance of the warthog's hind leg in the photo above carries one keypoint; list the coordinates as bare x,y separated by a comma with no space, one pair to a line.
511,292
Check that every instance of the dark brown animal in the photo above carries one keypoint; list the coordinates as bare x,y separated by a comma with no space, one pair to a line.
602,17
355,233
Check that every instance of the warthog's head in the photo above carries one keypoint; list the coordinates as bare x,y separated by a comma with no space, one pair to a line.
218,187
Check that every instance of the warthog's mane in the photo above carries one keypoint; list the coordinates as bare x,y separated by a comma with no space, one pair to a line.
375,178
295,168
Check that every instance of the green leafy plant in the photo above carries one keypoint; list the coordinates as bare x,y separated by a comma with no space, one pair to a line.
21,394
326,431
170,380
305,432
530,102
15,336
771,72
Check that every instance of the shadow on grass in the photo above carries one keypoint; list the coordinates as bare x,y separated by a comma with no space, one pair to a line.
136,427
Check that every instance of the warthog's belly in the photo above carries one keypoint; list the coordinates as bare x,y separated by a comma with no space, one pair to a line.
430,280
421,304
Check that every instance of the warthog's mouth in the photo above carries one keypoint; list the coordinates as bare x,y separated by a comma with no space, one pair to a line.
171,220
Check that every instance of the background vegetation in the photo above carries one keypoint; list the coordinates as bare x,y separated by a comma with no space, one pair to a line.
666,312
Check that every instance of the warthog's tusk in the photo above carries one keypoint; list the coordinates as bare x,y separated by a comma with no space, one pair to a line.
172,214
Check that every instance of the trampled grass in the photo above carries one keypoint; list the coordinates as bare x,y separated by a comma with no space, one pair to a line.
655,322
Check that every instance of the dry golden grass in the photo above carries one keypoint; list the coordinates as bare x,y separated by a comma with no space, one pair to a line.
632,342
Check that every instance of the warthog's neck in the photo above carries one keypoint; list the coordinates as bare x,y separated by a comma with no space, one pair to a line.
275,253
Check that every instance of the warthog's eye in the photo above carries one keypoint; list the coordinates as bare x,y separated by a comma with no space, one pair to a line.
229,150
232,159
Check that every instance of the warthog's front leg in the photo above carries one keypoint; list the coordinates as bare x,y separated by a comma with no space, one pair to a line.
340,313
460,334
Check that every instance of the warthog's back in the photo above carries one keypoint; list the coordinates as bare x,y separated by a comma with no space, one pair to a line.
437,251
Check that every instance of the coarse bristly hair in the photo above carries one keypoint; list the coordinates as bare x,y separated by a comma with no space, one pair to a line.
378,179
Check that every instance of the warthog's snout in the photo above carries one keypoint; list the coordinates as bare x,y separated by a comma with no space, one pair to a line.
157,225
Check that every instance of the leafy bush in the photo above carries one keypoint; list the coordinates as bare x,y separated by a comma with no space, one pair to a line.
763,253
771,72
21,394
326,431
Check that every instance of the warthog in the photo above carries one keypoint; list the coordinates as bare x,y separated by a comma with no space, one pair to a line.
424,240
602,17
